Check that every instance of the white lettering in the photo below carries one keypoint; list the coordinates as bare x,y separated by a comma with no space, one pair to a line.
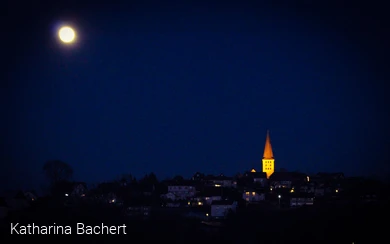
13,228
32,229
100,229
80,228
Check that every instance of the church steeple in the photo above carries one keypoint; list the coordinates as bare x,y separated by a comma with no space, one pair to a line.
268,148
268,157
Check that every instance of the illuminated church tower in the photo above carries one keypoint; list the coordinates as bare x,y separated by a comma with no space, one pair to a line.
268,158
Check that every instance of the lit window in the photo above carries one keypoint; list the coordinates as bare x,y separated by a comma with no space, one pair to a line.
253,193
247,193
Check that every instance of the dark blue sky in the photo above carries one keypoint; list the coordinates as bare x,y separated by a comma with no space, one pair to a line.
184,89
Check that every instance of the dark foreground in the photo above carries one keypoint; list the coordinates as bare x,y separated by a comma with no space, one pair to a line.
331,224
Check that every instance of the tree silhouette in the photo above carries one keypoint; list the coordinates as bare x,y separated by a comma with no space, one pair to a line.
107,187
127,180
57,170
178,178
148,181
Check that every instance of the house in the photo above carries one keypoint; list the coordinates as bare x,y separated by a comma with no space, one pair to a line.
301,199
181,190
327,179
308,187
319,192
322,190
79,189
3,208
286,179
193,214
220,209
169,196
173,204
138,211
260,178
147,190
170,199
71,189
209,194
253,196
220,181
111,198
198,176
106,197
253,178
195,203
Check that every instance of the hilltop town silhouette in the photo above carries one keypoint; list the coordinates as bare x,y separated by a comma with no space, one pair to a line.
266,205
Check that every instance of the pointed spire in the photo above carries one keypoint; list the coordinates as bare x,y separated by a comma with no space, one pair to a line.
268,148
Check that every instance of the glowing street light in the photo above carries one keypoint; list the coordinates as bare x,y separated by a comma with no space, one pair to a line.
279,196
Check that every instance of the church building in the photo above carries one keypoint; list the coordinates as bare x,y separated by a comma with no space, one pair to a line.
268,157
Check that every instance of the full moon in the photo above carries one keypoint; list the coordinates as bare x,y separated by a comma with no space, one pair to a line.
67,34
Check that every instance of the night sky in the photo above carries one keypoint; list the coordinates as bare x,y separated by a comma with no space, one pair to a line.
179,88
